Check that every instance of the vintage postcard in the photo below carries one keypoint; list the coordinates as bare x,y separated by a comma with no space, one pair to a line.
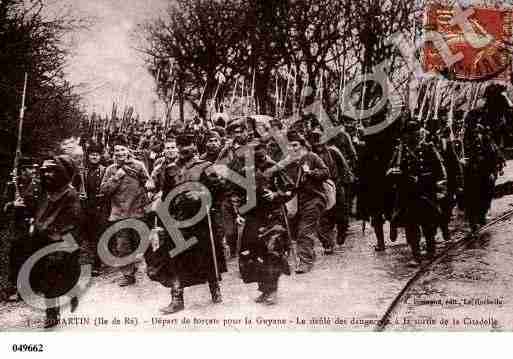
247,166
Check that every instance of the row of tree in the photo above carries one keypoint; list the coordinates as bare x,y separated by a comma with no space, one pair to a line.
205,49
31,42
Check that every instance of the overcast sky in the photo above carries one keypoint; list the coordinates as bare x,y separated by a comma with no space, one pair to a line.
105,61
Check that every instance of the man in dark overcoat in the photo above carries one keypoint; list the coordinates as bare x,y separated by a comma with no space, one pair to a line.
204,261
265,237
421,181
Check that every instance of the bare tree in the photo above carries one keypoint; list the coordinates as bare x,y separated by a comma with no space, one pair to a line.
34,44
306,39
201,39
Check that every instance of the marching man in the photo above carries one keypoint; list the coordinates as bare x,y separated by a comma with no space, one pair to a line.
204,261
125,185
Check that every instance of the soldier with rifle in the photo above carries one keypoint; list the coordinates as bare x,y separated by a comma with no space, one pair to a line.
23,194
446,146
482,166
421,181
56,215
19,202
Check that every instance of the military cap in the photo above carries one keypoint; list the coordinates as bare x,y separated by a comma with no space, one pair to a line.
95,148
494,90
185,139
294,136
220,119
238,123
315,137
276,123
158,146
63,164
213,134
412,125
120,141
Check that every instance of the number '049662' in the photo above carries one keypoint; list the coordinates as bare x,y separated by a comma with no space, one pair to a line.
27,348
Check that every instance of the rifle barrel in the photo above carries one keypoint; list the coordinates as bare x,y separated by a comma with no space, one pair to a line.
20,125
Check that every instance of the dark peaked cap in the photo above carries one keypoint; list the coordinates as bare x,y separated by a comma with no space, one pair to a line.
186,139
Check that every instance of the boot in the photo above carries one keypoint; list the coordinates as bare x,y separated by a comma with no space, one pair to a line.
74,304
430,248
261,298
429,234
341,234
215,292
445,232
303,268
413,238
380,237
177,302
52,317
271,298
393,232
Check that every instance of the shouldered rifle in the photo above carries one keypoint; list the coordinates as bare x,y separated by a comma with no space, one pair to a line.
17,197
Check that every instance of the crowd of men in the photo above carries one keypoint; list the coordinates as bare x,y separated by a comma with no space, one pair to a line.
305,194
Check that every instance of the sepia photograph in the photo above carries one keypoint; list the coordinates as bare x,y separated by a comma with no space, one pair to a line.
277,166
